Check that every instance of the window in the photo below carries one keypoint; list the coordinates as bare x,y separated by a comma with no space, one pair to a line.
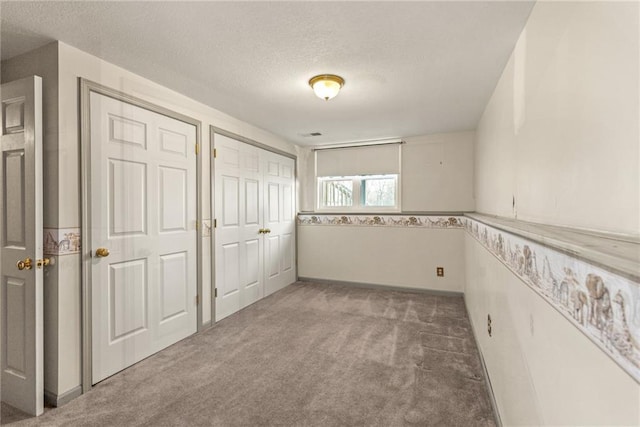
379,191
360,178
363,192
336,192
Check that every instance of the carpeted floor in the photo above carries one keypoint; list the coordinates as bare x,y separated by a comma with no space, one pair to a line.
311,354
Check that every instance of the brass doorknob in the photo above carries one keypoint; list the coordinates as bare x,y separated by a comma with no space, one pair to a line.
43,262
25,264
102,252
267,230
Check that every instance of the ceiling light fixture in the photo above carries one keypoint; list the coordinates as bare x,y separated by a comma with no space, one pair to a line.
326,86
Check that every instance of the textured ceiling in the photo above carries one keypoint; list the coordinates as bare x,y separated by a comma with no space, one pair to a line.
411,68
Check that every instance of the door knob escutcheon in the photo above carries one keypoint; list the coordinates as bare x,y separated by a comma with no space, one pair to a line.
102,252
25,264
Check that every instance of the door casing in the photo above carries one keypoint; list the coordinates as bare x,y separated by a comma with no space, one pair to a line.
85,89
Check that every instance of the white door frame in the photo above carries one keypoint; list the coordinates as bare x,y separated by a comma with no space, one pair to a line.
215,130
86,87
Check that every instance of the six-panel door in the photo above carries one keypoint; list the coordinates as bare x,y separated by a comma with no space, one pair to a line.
255,233
21,246
238,241
279,219
143,233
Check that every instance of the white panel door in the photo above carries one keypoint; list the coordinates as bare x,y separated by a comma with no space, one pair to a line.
279,221
238,212
143,234
255,224
21,240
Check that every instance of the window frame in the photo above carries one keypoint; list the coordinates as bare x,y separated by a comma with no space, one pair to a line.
357,198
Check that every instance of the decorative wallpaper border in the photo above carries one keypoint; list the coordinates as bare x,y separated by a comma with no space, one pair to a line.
424,221
61,241
603,305
206,228
67,241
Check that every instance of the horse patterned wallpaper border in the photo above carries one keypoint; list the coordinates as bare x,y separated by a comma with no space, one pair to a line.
426,221
61,241
603,305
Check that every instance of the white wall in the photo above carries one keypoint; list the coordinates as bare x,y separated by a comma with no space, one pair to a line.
437,173
391,256
306,179
561,131
543,370
436,176
561,136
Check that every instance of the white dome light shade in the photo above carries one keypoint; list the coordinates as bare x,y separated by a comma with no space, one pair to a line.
326,86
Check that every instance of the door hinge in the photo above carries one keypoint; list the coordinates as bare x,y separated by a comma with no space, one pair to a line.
215,223
197,299
197,149
215,153
215,293
197,225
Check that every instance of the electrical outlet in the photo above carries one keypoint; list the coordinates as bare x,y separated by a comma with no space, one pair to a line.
440,271
489,324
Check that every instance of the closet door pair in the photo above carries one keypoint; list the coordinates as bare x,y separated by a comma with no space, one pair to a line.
254,240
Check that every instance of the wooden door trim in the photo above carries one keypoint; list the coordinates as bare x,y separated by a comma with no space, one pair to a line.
86,87
216,130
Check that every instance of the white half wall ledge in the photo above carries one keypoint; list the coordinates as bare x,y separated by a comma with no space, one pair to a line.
617,253
601,303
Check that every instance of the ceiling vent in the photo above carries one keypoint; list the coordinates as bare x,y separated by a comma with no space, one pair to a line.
309,135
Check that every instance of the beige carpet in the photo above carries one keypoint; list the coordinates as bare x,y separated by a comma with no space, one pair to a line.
311,354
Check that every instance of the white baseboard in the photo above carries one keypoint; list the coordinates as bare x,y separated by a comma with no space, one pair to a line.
57,400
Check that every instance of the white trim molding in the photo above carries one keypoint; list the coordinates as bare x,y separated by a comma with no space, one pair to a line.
55,400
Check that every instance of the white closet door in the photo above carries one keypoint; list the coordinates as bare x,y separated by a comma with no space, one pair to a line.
279,220
21,236
238,212
255,215
143,214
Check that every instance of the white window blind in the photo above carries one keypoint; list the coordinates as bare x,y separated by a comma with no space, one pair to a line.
354,161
